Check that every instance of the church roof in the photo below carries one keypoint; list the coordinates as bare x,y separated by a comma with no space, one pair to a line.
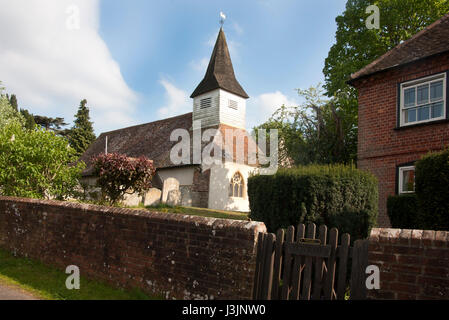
430,41
220,73
150,139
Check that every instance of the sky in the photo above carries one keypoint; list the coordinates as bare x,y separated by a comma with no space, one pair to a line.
138,61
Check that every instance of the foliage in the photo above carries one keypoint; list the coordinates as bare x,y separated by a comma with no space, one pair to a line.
53,124
119,174
29,119
36,164
432,190
8,114
82,133
403,211
13,102
338,196
319,131
356,46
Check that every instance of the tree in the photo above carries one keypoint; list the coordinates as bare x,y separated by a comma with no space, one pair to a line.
37,164
8,114
356,46
82,133
29,119
12,112
53,124
119,175
318,131
13,102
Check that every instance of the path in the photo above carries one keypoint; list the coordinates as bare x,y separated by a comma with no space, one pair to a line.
9,292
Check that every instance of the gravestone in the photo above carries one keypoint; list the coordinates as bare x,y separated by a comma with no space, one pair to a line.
152,197
170,184
174,198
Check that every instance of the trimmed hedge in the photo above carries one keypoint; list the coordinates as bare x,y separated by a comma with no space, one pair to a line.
338,196
403,211
432,190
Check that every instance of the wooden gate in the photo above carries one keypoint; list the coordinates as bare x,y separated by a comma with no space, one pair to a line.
304,265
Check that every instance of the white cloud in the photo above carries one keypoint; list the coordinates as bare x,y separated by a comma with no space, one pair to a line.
52,67
262,107
177,100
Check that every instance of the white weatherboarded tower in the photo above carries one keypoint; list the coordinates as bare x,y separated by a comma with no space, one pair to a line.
219,98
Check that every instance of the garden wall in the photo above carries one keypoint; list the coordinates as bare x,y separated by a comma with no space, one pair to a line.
414,264
182,257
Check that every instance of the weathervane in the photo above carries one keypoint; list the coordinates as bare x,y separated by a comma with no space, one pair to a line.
222,18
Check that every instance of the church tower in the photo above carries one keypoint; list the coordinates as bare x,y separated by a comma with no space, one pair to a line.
219,98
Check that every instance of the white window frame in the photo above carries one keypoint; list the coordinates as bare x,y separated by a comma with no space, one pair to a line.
400,182
416,84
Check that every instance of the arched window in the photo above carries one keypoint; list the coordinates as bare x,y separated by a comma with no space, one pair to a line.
236,186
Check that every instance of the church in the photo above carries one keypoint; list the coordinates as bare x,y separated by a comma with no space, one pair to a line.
219,102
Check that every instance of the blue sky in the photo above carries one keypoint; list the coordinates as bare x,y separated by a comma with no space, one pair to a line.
157,52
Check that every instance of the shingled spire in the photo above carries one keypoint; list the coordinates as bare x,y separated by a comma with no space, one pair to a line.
220,73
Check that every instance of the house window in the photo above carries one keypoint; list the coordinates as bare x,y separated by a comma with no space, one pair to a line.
233,104
406,181
236,186
423,100
205,103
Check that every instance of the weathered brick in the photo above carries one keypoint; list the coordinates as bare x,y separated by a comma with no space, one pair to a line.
179,256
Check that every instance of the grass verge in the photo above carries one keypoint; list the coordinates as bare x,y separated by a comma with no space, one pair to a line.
202,212
48,283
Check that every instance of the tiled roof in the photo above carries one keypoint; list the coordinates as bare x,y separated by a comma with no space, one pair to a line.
220,72
428,42
151,140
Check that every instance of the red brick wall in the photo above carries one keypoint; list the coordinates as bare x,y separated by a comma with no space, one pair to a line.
414,264
183,257
380,147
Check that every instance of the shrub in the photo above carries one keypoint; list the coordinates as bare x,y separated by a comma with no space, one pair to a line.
432,190
37,164
338,196
403,211
119,174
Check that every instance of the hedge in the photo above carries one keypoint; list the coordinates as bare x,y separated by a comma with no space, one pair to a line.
403,211
338,196
432,190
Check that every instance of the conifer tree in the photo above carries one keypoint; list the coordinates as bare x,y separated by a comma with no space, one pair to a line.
82,133
13,102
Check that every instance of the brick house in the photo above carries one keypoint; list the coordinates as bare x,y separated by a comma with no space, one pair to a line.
403,110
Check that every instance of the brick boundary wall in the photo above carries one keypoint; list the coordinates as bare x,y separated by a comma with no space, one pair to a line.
176,256
414,264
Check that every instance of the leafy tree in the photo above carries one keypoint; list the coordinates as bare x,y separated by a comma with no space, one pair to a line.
36,163
119,175
8,114
82,133
318,131
356,46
